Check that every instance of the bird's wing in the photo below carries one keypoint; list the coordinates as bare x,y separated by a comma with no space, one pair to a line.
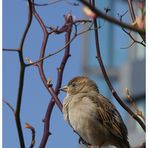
109,117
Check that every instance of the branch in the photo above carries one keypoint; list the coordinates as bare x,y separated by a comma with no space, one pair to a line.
27,125
60,71
40,64
21,78
114,93
46,120
6,49
111,19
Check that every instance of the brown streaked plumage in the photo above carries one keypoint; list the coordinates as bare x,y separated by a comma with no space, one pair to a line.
93,116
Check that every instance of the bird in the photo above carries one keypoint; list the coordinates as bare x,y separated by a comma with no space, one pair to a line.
92,116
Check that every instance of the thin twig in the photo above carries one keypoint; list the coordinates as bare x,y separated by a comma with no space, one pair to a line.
6,49
10,106
114,93
128,46
27,125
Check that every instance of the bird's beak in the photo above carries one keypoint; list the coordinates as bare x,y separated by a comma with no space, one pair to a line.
65,88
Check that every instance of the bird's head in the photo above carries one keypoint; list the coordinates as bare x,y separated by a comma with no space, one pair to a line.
80,84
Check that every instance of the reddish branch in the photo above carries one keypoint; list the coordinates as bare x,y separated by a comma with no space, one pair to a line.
114,93
40,64
42,75
66,28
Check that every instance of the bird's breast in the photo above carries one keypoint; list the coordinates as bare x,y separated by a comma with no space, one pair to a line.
82,116
77,110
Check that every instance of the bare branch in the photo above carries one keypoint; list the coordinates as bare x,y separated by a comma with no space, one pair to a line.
60,70
21,78
42,52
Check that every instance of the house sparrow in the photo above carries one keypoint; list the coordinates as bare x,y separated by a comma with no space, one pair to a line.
92,116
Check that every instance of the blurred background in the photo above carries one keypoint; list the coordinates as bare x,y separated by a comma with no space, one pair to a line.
125,67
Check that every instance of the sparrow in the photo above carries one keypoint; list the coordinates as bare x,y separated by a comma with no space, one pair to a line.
92,116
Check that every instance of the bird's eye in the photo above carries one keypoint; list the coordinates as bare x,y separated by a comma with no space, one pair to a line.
73,84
